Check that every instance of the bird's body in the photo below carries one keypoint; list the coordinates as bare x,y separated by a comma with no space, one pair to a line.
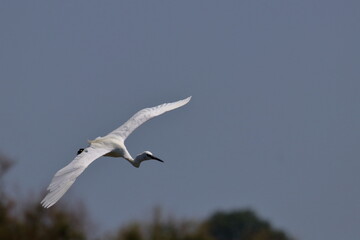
111,145
118,146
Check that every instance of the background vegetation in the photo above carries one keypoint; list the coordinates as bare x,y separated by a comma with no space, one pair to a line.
32,222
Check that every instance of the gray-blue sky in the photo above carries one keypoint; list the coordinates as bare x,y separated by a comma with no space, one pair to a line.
273,123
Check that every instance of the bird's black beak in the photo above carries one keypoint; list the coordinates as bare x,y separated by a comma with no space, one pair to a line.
155,158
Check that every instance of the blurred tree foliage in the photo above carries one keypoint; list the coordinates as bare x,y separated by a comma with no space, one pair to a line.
233,225
32,222
242,224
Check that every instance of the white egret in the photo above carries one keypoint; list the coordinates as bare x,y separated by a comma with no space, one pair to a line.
111,145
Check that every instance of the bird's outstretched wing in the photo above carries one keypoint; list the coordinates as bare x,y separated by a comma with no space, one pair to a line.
143,115
66,176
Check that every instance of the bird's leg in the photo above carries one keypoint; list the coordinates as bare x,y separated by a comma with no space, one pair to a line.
80,151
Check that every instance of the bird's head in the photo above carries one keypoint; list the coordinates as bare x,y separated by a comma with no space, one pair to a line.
145,156
149,156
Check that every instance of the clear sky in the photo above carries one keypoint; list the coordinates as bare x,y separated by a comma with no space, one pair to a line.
274,123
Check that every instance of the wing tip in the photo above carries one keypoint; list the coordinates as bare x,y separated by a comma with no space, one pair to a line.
186,100
46,204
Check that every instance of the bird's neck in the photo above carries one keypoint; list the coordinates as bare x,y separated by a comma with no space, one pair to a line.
138,159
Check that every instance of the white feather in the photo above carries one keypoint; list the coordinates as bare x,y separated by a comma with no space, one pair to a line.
111,145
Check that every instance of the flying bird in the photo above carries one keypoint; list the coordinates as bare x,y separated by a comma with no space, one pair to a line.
111,145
